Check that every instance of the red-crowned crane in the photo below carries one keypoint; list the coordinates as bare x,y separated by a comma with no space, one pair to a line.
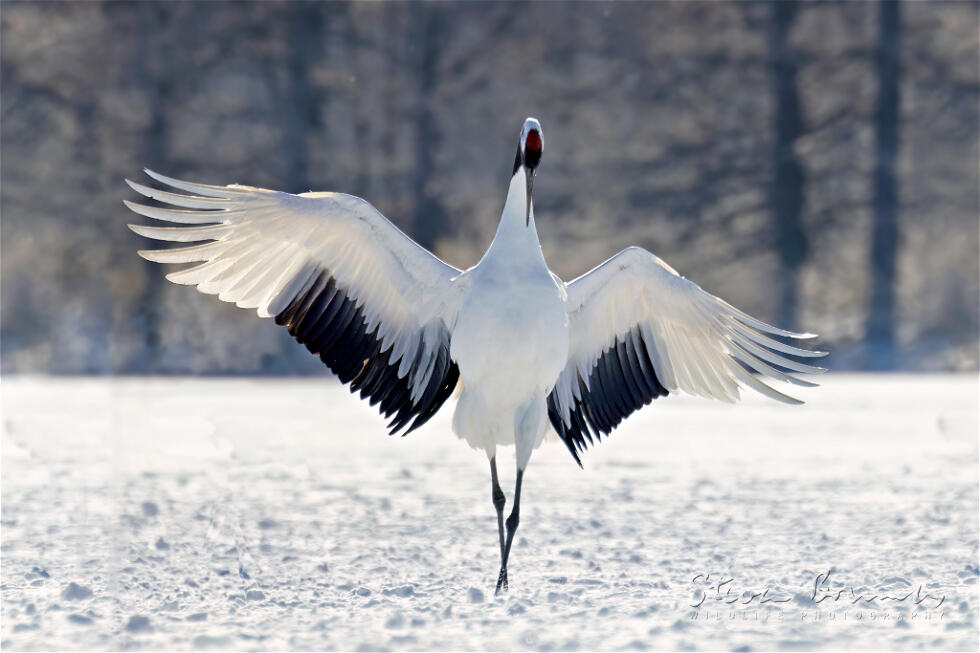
402,328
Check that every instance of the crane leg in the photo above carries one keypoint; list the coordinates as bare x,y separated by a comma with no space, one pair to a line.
498,503
512,522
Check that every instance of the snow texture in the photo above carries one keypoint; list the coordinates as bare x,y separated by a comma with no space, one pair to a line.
275,514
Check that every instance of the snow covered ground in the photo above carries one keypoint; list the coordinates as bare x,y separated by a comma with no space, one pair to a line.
276,514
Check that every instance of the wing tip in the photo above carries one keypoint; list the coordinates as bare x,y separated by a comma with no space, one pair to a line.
573,449
142,189
802,336
163,179
174,277
803,383
812,353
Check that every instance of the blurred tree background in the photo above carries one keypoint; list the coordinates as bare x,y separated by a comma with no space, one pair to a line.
816,164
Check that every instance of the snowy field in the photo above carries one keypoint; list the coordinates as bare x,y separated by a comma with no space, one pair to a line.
276,514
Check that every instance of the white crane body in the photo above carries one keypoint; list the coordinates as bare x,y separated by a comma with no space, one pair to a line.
510,340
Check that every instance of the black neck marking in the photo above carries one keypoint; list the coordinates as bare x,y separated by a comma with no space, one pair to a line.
518,160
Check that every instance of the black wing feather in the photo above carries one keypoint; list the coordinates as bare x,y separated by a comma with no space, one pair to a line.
330,323
621,381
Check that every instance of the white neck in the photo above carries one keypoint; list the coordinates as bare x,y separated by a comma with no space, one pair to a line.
517,237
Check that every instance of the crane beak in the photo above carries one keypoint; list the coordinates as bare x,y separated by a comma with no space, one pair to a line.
529,175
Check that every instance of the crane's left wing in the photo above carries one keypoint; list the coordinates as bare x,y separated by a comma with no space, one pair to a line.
375,306
639,330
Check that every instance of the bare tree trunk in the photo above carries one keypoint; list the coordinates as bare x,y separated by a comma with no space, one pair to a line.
98,360
884,242
306,20
787,194
153,153
301,120
430,216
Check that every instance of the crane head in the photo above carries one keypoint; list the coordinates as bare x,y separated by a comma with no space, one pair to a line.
529,151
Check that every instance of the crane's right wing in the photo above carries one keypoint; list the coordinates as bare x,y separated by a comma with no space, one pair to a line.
639,330
374,305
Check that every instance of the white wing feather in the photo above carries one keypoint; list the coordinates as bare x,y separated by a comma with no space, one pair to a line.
698,343
266,247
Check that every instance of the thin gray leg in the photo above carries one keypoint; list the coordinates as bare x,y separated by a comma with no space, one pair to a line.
498,503
512,522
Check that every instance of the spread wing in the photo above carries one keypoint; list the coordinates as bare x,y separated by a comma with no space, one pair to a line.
376,307
639,330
